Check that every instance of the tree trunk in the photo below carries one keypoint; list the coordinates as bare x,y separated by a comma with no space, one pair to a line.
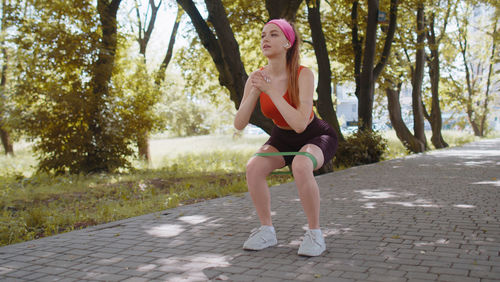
232,73
402,131
145,34
365,98
100,85
143,146
469,107
488,81
365,81
160,77
418,76
325,104
389,38
356,45
225,53
286,9
434,75
8,146
143,39
4,133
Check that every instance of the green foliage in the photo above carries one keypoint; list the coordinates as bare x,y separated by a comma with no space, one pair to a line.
136,94
9,116
198,69
76,129
52,46
337,26
472,90
362,147
185,117
57,52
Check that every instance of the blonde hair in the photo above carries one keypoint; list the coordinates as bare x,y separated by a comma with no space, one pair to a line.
292,66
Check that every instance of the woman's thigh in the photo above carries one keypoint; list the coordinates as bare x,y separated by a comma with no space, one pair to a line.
265,164
313,150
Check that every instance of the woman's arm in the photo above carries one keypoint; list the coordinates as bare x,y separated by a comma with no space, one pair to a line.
298,119
247,105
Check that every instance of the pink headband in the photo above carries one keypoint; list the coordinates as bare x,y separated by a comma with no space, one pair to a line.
285,27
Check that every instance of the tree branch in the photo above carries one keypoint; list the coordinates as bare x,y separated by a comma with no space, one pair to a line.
388,40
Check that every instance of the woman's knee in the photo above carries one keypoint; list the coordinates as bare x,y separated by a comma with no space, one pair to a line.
302,165
255,168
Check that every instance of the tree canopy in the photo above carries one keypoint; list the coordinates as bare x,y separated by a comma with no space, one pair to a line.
83,88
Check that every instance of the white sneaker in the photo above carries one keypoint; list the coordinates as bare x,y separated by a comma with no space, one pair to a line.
261,238
313,243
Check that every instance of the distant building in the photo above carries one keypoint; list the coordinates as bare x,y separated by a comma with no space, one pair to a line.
347,106
495,115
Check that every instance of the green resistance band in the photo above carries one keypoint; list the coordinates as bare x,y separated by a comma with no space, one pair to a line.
309,155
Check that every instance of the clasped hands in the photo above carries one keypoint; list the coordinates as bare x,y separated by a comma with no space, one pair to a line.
261,82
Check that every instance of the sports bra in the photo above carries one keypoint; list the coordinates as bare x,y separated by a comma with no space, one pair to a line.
270,111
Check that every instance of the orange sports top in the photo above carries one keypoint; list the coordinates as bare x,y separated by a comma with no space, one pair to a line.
270,111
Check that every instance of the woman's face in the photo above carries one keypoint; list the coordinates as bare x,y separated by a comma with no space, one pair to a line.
273,40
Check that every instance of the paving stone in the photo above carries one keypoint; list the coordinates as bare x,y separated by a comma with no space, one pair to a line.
34,276
18,274
457,278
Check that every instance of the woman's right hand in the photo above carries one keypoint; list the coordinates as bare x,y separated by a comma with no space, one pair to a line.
254,90
250,96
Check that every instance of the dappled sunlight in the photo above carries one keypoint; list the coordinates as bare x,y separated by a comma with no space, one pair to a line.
193,219
386,193
340,199
492,182
295,242
477,163
463,206
370,205
417,203
435,243
5,270
147,267
328,231
192,267
466,154
209,258
110,260
166,230
376,194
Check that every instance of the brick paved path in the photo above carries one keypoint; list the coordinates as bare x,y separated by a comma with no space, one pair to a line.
427,217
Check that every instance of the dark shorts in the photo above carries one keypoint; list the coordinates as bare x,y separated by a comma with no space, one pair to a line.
318,132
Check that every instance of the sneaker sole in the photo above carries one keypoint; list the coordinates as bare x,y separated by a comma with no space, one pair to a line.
311,255
258,249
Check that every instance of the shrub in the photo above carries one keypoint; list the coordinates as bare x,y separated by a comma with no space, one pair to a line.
362,147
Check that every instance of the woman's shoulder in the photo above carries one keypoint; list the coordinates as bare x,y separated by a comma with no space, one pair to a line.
305,72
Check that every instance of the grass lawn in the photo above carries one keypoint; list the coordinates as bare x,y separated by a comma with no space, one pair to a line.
182,171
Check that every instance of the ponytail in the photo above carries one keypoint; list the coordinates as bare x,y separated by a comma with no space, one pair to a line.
292,66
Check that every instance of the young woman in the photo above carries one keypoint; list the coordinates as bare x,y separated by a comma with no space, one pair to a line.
285,90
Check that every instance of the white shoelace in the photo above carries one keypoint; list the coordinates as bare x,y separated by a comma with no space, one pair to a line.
255,232
312,237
